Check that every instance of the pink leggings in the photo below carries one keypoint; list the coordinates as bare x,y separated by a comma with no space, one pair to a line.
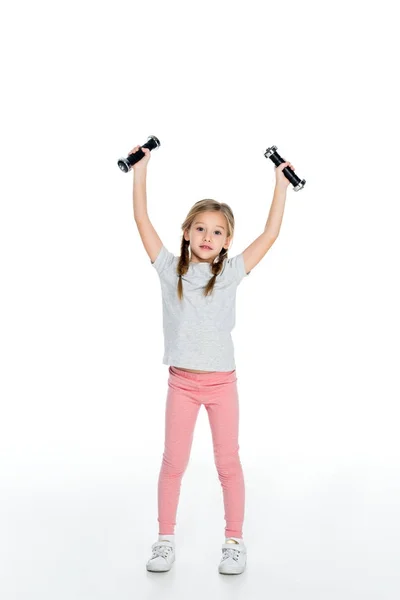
186,393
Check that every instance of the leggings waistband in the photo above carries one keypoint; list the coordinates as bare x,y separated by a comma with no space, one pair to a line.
213,376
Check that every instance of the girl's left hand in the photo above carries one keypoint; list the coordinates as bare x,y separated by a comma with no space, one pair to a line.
281,180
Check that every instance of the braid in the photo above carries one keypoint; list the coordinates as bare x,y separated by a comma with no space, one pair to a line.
216,270
183,265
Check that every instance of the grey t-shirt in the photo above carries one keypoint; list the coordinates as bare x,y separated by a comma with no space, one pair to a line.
197,329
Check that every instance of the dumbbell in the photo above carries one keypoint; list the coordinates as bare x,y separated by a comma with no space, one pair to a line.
125,164
287,171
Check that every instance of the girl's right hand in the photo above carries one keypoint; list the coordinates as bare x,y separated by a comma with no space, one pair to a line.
142,163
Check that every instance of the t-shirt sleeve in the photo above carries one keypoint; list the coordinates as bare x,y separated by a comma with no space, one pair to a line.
164,260
236,268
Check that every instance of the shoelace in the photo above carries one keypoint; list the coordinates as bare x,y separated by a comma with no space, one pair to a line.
161,550
230,552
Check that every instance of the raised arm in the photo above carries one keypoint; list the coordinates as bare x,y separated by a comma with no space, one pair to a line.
151,241
150,238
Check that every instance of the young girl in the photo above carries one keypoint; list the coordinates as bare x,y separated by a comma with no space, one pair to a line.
198,300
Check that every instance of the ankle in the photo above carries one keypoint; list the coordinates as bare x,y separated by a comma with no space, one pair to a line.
168,537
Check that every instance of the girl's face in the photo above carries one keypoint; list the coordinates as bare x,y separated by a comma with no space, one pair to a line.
208,229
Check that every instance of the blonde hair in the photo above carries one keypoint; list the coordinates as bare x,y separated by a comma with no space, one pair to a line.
216,267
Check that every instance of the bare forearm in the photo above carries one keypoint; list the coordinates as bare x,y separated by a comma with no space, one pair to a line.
276,211
139,195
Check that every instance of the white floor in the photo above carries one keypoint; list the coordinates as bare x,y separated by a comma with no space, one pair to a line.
66,536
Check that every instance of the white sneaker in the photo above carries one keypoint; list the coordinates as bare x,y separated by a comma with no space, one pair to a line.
233,559
163,556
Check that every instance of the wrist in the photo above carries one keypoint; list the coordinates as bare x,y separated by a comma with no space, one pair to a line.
140,170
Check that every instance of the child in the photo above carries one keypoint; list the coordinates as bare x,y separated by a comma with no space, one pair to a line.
198,301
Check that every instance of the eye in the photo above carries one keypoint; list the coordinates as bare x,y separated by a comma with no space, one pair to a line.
216,231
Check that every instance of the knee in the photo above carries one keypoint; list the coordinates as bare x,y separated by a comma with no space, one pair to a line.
173,466
228,463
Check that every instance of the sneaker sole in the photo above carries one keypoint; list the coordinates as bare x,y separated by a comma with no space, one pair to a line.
157,570
231,571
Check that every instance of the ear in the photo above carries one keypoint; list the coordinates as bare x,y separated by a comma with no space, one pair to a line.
227,242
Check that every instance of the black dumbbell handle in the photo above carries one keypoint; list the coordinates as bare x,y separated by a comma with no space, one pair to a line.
287,171
125,164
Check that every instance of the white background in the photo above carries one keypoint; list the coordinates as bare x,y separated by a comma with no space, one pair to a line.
83,387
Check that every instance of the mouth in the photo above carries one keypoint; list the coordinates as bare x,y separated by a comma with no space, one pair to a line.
205,248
